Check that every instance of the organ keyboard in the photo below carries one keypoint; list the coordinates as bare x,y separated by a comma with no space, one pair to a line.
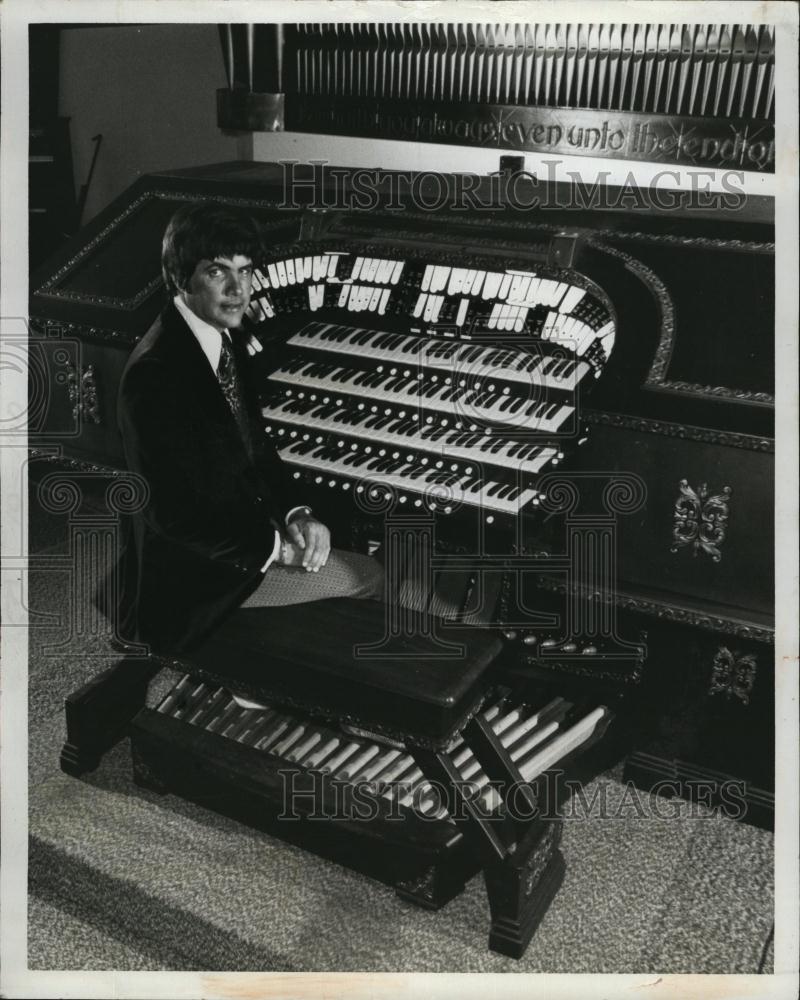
450,387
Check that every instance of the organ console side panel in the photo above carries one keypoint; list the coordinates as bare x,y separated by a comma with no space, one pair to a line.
454,365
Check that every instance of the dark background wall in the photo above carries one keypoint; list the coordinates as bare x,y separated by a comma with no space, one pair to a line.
148,89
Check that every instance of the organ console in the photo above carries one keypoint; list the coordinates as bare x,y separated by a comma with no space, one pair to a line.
463,411
566,410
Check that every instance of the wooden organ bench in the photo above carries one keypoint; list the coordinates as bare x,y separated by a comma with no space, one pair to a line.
421,764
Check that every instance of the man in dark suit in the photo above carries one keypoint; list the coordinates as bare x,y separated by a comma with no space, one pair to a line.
224,523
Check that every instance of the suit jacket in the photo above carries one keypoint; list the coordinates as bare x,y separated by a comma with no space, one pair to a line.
195,551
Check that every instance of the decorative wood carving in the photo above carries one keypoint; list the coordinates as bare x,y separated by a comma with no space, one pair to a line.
733,674
700,519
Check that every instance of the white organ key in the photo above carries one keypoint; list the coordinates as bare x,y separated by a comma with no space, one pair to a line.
606,336
272,271
429,307
547,329
437,307
358,264
317,269
522,315
494,316
312,298
557,293
307,267
505,285
525,285
572,298
343,295
426,278
456,282
420,305
265,311
585,342
299,270
491,284
516,285
371,269
546,291
256,280
439,279
461,315
289,264
374,299
554,295
561,290
533,292
333,261
381,277
564,330
282,279
320,295
384,300
605,330
398,270
477,283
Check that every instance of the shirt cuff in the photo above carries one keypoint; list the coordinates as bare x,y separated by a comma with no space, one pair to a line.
294,510
276,548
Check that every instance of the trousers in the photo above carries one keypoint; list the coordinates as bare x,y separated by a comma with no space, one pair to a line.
346,574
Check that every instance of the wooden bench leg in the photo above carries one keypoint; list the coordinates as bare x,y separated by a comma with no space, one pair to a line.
522,886
99,712
522,865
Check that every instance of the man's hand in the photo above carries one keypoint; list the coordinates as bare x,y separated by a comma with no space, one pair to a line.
313,538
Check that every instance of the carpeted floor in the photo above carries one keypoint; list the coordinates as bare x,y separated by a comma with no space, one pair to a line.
123,879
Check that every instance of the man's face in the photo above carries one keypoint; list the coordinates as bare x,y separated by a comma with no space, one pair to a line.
219,290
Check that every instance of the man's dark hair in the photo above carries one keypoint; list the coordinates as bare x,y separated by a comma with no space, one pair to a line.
203,231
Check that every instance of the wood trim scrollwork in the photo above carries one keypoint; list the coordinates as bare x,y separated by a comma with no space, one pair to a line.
728,439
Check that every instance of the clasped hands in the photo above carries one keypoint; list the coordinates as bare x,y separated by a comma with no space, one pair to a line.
308,544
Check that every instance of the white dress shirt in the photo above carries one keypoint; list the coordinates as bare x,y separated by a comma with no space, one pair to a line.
210,341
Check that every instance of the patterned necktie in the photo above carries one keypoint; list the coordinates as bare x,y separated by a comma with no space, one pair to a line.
228,377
